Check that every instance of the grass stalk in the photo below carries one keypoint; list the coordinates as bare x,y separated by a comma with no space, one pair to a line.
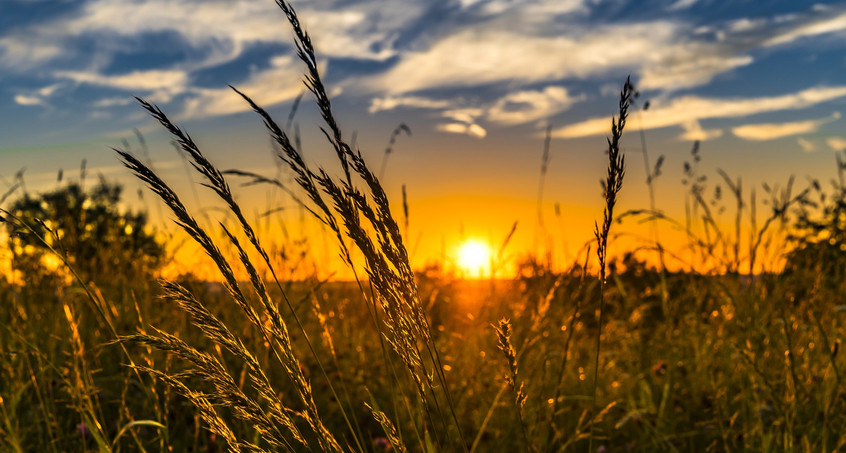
613,183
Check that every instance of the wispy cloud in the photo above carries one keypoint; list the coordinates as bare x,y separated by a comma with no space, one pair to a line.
473,130
488,54
806,145
824,24
156,85
112,102
681,4
22,99
152,80
771,131
22,51
463,121
685,109
362,31
689,70
693,131
525,106
393,102
514,108
276,84
836,143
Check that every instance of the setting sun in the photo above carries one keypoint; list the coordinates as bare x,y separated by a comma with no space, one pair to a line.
474,259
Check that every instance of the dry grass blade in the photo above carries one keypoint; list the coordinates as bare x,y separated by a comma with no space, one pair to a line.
305,50
390,430
503,335
613,183
386,257
218,332
276,334
226,391
402,127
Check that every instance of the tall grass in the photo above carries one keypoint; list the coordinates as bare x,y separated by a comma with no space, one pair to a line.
363,216
612,185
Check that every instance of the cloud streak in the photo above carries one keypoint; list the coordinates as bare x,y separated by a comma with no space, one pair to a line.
836,143
772,131
685,109
274,85
487,54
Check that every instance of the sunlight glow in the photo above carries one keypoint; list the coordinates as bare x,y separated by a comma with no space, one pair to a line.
474,259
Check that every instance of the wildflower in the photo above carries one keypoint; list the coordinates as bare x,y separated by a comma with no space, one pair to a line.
660,368
382,444
83,430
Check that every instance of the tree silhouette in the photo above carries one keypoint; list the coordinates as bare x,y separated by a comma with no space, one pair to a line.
101,242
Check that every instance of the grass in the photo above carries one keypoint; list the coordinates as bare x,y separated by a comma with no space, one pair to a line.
625,357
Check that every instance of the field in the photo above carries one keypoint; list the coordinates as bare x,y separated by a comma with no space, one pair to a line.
736,351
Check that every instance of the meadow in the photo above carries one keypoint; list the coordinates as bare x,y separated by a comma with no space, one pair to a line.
737,349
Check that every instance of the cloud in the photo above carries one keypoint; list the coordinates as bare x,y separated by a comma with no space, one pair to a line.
693,132
484,55
365,30
151,80
22,99
112,102
689,71
513,108
473,130
685,109
524,10
267,87
526,106
681,4
156,85
771,131
806,145
836,143
23,51
38,96
465,115
745,24
816,26
392,102
664,52
463,121
50,89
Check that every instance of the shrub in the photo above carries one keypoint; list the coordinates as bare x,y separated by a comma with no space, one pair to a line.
88,228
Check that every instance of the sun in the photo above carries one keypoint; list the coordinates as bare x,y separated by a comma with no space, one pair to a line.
474,258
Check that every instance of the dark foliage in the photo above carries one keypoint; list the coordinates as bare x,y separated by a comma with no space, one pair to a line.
89,229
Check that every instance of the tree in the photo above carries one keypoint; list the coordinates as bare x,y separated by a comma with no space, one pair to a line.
102,243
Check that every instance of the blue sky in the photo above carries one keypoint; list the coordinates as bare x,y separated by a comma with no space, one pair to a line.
473,65
759,82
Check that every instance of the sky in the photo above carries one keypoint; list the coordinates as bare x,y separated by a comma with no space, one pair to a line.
760,83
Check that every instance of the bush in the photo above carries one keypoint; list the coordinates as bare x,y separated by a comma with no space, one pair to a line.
102,243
